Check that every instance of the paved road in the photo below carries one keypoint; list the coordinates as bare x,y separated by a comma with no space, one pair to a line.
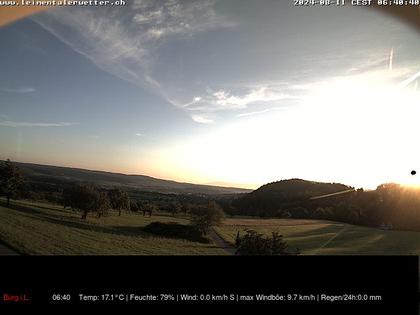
222,243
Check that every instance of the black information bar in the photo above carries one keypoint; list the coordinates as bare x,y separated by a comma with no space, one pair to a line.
357,283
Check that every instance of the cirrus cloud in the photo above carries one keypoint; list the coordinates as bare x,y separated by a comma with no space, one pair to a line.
15,124
19,90
126,42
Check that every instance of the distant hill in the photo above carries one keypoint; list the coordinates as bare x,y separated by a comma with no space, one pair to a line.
296,188
47,175
272,197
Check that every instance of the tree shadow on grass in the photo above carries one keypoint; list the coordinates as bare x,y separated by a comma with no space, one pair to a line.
21,208
41,206
131,231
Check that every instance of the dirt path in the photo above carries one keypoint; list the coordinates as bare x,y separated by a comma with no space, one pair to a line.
222,243
333,194
6,251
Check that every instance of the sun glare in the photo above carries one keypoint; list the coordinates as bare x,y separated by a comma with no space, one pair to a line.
359,129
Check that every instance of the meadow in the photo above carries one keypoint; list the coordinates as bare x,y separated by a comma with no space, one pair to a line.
321,237
47,229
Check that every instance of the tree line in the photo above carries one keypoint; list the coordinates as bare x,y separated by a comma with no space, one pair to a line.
389,205
89,199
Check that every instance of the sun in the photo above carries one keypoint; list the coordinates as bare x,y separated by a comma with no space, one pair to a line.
361,130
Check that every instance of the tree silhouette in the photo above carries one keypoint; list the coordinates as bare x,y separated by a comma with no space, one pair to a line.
85,199
102,204
119,200
174,208
204,218
11,180
254,243
134,207
185,208
148,208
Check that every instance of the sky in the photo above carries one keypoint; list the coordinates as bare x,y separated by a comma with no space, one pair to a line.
230,92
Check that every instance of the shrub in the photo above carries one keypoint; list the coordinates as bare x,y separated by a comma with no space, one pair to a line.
176,230
254,243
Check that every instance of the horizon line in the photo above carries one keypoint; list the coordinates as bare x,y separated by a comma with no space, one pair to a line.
208,184
131,174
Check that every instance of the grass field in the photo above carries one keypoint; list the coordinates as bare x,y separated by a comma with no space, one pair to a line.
317,237
45,229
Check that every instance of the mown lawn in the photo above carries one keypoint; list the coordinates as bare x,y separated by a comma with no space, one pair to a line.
318,237
45,229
